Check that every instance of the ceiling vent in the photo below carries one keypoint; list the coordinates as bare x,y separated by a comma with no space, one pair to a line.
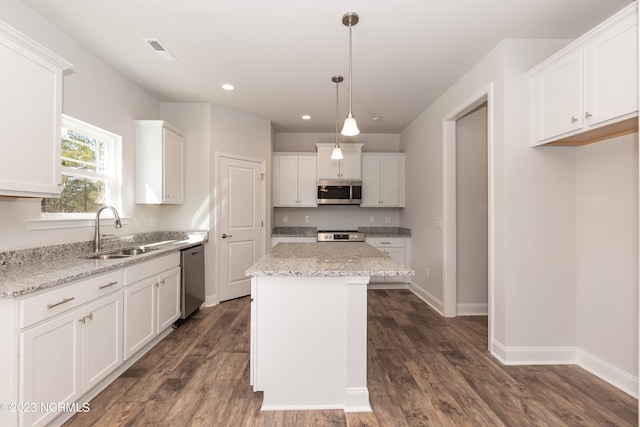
160,50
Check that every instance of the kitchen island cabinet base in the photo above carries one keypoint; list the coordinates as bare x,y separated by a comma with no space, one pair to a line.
309,342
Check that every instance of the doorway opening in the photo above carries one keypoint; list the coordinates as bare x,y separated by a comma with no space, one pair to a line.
462,229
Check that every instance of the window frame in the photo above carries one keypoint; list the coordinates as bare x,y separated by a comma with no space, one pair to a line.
113,173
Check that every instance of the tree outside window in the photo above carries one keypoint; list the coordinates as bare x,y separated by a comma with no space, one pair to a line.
89,172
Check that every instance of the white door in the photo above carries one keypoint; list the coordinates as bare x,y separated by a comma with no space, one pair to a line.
240,226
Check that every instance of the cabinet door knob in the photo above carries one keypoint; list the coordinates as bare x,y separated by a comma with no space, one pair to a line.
573,119
587,115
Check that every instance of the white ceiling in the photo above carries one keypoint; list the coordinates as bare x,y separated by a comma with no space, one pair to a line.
281,54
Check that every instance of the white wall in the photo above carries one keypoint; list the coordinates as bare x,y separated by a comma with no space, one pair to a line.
92,92
529,236
607,250
564,283
193,120
337,217
472,215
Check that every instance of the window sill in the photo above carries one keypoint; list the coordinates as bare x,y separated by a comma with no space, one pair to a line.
61,223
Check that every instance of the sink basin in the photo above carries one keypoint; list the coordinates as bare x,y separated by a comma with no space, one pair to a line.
107,256
131,251
121,253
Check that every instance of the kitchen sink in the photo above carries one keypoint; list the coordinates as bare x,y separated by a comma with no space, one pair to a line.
121,253
107,256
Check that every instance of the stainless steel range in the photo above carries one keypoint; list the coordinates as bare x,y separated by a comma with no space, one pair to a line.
340,236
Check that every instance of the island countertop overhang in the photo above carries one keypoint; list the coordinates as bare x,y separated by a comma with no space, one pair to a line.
327,259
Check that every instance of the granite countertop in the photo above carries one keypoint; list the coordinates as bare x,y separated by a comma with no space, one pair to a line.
369,231
43,272
327,259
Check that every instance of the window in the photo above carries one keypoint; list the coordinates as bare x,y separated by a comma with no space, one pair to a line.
91,171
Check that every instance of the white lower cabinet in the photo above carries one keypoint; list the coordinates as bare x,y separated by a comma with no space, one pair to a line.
63,356
168,299
151,299
69,341
50,356
398,248
140,315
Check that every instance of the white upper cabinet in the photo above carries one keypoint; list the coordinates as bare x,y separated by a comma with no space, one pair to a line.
294,180
383,180
347,169
159,163
31,108
589,90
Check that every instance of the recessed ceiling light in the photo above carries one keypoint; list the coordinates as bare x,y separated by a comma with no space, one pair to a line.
306,117
375,118
228,86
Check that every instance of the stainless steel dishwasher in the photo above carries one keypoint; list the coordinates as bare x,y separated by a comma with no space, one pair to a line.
192,285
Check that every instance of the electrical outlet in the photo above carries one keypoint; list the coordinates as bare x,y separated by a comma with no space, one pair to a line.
438,222
306,219
387,220
371,219
285,219
152,221
427,273
136,222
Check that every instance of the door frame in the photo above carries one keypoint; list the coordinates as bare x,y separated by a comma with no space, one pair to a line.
215,214
449,261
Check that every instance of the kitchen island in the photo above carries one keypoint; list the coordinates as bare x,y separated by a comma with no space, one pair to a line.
309,324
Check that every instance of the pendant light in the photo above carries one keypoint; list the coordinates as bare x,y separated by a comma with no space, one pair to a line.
350,127
336,154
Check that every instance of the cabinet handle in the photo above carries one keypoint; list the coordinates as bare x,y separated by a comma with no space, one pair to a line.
82,319
385,243
587,115
89,316
61,302
107,285
162,281
573,119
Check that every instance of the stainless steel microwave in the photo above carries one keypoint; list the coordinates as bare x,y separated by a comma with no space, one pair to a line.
334,192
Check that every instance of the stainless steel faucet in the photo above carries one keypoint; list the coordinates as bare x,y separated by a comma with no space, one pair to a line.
97,236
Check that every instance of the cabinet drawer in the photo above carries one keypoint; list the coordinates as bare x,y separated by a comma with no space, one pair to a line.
381,242
152,267
58,300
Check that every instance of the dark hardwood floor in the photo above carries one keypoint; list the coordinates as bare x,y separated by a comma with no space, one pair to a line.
424,370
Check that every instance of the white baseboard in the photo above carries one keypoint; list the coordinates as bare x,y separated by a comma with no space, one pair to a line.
357,400
611,374
567,356
534,355
210,301
429,299
388,286
472,309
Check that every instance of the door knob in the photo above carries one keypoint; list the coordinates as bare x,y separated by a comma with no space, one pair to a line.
224,236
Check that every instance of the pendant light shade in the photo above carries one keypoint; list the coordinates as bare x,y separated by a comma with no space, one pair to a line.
350,127
336,154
